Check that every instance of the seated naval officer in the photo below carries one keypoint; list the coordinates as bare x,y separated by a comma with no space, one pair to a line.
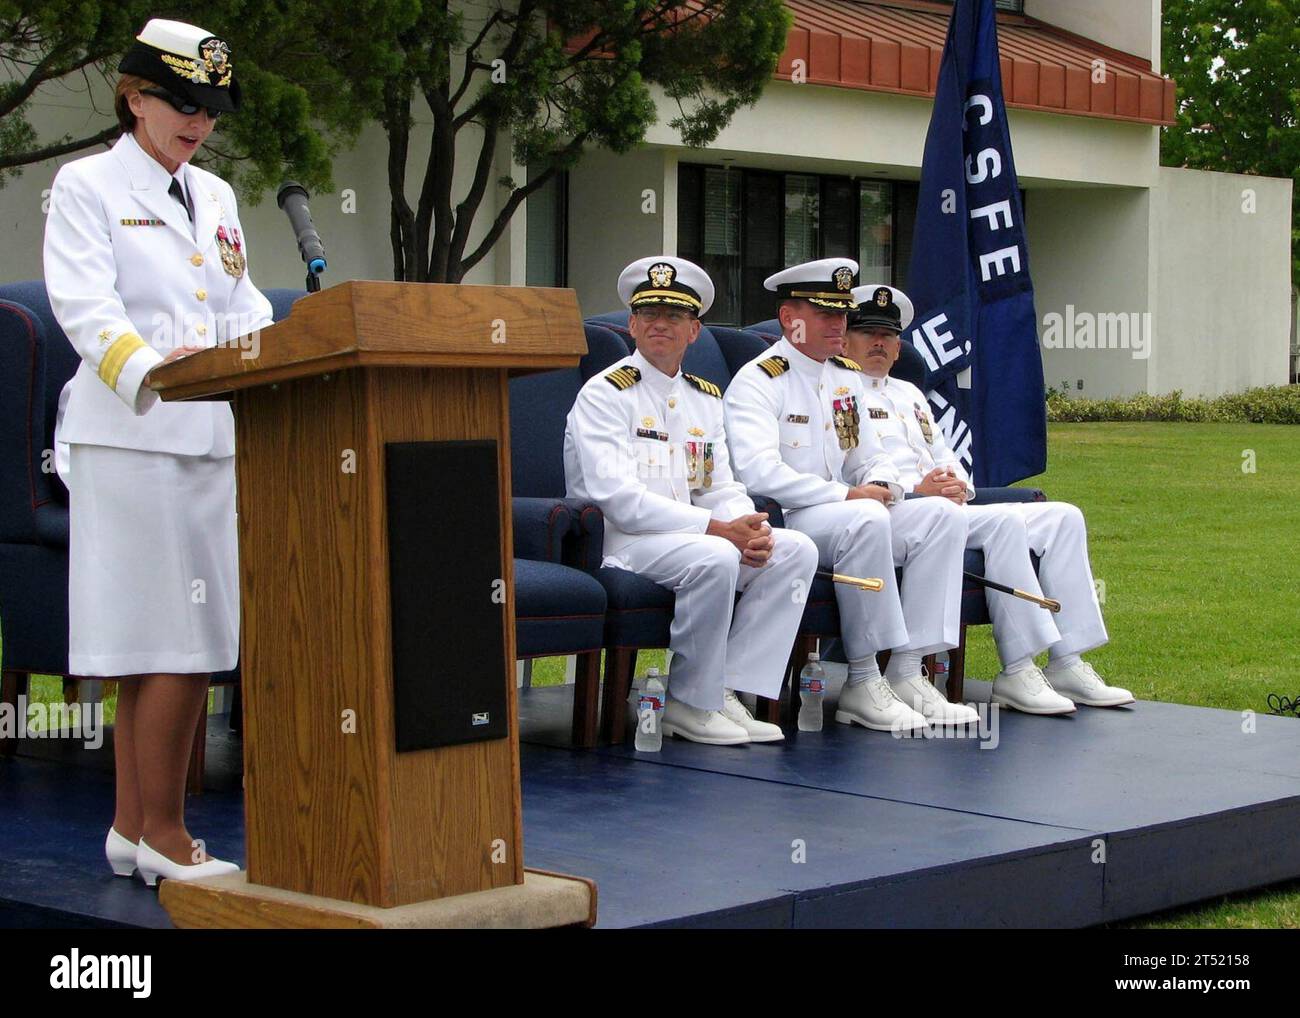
793,420
645,442
899,413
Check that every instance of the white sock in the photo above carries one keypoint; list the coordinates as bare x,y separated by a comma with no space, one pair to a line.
903,664
1064,661
862,671
1018,666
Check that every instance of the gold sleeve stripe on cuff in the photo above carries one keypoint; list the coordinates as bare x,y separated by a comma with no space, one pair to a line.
116,356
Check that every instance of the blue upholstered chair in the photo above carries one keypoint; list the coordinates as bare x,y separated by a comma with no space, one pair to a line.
910,367
559,605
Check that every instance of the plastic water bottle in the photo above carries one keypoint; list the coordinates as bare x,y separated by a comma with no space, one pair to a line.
812,690
649,714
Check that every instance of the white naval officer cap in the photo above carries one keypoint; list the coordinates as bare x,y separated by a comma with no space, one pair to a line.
881,306
666,280
827,282
187,60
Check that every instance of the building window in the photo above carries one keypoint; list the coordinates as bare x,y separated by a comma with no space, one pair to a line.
546,228
742,225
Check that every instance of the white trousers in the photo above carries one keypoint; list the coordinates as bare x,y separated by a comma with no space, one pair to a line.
716,641
1054,531
925,537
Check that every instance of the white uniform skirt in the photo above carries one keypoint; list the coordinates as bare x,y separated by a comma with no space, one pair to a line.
153,570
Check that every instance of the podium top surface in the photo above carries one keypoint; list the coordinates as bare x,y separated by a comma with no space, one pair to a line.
365,323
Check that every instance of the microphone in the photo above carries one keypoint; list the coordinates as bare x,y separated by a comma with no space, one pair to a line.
292,198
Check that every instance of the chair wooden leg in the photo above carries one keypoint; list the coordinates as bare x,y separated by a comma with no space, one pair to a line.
12,686
586,699
198,754
71,689
957,669
620,665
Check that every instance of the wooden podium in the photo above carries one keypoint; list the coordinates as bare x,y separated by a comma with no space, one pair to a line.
343,804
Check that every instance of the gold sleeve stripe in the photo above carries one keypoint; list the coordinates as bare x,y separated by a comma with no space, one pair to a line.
775,366
846,362
116,356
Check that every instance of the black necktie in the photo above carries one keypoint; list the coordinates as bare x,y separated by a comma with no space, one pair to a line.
176,192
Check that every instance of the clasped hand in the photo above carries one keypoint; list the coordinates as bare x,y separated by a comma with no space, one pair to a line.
750,534
944,482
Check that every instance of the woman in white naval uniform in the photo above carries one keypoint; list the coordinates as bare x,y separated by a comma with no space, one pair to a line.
145,262
1006,532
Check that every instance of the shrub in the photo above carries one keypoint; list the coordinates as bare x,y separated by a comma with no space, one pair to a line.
1274,404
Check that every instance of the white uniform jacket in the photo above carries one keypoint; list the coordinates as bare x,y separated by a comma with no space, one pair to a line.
130,278
796,429
899,414
651,452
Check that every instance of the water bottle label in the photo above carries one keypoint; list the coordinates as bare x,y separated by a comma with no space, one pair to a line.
809,684
649,702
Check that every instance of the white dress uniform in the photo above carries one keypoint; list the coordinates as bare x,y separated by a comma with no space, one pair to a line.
899,413
796,436
153,560
1006,533
651,452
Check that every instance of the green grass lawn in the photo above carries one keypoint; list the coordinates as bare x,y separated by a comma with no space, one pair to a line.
1199,561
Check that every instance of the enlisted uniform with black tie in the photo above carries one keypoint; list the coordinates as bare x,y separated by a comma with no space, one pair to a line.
1006,532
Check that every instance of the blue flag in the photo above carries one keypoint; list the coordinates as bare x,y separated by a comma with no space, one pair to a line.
975,323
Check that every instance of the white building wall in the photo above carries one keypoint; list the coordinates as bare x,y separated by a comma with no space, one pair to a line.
618,206
842,130
1089,254
1129,25
1222,247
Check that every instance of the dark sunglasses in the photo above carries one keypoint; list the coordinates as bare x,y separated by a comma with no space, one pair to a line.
182,106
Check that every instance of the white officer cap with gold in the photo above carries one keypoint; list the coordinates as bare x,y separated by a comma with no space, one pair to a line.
666,280
187,60
881,306
827,283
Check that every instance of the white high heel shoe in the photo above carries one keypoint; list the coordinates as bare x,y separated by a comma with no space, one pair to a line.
153,865
120,852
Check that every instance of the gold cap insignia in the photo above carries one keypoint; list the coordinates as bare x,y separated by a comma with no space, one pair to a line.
216,60
844,278
883,297
662,274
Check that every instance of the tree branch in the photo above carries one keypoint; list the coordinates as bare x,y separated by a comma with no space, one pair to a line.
498,16
512,203
54,151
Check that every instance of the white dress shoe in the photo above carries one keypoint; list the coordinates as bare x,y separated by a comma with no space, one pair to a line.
1083,685
1028,690
874,704
920,694
738,714
153,865
120,852
708,726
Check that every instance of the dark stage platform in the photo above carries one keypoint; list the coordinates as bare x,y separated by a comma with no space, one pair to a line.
1069,821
